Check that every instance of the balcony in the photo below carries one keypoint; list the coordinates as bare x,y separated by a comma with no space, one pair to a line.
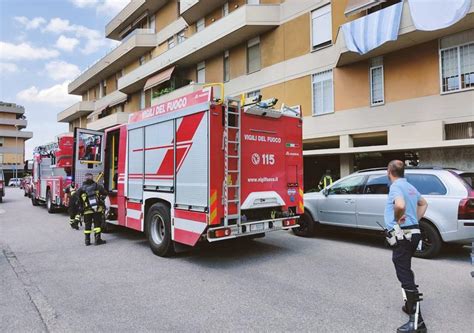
11,108
132,47
110,100
408,36
133,11
16,134
239,26
19,123
109,121
193,10
76,111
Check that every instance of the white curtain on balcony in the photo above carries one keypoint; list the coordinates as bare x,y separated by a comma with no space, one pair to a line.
429,15
371,31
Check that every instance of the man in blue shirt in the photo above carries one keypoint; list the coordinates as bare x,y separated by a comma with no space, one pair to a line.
405,207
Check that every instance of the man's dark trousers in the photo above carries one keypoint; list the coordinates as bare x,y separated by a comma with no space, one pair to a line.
401,258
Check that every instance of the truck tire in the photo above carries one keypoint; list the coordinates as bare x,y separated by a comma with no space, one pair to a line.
431,241
49,203
34,202
307,226
158,230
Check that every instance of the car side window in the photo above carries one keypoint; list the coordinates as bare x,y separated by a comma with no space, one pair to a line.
352,185
427,184
376,184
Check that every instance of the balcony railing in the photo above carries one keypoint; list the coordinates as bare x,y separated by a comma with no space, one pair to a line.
239,26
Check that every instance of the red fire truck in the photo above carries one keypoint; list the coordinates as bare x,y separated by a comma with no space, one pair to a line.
198,168
52,168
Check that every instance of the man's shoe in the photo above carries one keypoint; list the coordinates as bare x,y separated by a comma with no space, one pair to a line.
409,327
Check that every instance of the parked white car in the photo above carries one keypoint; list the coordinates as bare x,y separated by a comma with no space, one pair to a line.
15,182
358,201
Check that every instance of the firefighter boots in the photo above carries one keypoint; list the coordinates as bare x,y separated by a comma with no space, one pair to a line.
98,240
88,239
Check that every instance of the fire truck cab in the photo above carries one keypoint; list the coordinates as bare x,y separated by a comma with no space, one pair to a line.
199,168
52,173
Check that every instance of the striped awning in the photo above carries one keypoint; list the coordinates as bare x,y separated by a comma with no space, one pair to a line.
356,6
159,78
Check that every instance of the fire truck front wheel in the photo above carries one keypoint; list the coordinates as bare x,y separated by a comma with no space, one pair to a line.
34,202
158,230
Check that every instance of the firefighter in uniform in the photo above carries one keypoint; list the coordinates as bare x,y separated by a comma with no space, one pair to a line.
405,207
326,180
92,197
73,209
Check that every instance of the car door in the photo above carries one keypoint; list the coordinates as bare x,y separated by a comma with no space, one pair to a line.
338,207
371,203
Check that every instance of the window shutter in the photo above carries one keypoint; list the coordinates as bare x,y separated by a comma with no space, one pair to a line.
322,26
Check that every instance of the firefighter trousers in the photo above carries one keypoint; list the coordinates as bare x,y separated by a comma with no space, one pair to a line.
96,220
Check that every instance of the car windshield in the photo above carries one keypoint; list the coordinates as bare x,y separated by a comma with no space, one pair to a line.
468,178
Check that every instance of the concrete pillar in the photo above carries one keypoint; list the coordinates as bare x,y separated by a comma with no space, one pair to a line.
347,164
345,141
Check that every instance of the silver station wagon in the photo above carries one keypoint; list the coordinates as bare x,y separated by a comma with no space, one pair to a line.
358,201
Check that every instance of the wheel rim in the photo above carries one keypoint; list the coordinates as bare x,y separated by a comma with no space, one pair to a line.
157,229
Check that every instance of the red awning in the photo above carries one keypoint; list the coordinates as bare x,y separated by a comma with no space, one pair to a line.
159,78
356,6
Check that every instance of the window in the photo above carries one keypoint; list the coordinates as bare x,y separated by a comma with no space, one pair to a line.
457,68
181,37
226,66
142,99
225,9
152,24
102,88
200,25
376,82
352,185
118,75
377,184
253,2
253,55
426,184
2,142
141,60
321,27
323,93
201,72
171,42
1,159
253,94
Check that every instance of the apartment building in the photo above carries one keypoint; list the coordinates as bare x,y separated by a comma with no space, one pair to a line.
410,98
12,138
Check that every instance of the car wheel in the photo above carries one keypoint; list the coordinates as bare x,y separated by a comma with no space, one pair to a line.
307,226
431,241
1,198
158,230
49,202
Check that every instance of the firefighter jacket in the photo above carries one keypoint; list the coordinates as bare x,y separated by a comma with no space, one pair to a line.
92,197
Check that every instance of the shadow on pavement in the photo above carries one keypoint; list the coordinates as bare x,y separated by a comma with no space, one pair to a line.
453,252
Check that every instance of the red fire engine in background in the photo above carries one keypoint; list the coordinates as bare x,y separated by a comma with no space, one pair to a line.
198,168
52,173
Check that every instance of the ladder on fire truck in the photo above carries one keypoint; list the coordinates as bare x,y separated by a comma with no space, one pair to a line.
232,152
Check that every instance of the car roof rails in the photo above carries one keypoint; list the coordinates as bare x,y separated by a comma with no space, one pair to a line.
419,167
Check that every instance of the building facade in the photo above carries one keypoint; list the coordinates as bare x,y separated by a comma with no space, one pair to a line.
410,98
12,138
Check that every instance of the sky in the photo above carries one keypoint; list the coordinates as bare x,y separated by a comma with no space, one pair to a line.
44,44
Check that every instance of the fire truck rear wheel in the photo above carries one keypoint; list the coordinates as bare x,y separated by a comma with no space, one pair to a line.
307,226
34,202
49,202
158,230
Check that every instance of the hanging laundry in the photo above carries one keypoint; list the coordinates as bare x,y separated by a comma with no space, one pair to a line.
369,32
431,15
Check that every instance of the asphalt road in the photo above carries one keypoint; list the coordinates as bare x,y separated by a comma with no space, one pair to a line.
336,282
